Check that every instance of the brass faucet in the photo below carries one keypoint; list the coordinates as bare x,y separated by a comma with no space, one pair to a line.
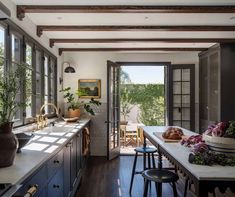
41,119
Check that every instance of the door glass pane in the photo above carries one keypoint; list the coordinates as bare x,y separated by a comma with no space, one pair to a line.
185,74
185,87
177,101
185,100
177,123
177,87
186,113
177,75
176,114
186,124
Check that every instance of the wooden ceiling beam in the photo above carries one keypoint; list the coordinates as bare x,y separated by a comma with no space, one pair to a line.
41,28
22,9
129,40
61,50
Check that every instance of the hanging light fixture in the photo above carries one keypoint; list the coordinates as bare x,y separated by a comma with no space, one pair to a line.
68,68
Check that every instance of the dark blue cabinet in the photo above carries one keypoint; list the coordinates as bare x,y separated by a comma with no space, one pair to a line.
55,186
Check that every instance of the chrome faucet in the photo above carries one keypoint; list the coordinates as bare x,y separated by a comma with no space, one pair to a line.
41,119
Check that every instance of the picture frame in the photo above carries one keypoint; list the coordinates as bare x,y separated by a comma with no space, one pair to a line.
89,88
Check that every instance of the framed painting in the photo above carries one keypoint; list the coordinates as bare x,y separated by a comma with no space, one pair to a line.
89,88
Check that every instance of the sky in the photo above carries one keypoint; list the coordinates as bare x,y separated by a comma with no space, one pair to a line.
145,74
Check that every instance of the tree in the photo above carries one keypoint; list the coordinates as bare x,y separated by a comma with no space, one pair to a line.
152,112
149,98
125,100
124,77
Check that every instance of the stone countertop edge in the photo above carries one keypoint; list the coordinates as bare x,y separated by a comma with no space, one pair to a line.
16,174
201,172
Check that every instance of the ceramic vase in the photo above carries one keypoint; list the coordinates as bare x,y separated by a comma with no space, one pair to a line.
8,144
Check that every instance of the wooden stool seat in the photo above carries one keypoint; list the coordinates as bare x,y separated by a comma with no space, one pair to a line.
159,176
145,150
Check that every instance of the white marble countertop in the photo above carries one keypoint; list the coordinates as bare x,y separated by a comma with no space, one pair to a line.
181,153
43,145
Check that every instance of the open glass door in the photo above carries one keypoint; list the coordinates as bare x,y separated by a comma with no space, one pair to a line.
113,107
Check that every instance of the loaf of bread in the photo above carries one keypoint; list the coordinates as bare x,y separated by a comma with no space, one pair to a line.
173,133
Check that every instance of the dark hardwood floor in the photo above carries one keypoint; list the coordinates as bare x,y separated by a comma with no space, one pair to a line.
105,178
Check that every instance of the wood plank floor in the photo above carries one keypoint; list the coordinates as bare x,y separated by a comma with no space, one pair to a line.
105,178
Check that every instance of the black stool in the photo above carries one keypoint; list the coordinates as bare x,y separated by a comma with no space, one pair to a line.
159,177
145,150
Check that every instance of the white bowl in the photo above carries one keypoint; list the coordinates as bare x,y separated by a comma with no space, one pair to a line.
220,144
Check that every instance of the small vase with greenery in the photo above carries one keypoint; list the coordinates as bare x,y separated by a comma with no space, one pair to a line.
11,81
76,104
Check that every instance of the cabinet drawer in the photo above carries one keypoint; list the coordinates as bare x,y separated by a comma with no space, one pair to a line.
54,164
39,179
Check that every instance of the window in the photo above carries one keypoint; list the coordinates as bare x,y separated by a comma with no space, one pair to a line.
2,53
29,88
46,83
41,80
16,60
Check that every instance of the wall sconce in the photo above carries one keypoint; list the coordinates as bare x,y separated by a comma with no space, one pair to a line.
68,69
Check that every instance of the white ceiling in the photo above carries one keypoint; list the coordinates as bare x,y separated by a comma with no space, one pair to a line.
132,19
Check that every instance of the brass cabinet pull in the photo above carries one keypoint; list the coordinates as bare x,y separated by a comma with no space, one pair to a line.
31,191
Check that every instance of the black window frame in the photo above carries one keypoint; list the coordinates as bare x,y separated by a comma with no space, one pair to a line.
12,28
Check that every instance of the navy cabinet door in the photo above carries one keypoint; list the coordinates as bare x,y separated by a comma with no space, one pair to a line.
67,169
55,186
73,161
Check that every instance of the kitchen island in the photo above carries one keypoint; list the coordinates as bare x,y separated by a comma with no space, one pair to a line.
52,162
204,178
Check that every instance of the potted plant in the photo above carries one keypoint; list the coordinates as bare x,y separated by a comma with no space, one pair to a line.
75,104
11,81
125,107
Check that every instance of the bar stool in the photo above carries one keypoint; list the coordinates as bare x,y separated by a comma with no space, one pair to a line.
159,176
145,150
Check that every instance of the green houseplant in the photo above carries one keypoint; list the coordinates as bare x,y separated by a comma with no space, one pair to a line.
75,104
11,81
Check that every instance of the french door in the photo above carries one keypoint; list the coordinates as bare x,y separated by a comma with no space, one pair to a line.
113,112
182,96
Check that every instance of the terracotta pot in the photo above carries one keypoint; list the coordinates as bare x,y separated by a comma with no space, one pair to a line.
8,145
74,113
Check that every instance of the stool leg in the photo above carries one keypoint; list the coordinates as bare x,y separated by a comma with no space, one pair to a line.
144,161
149,163
159,189
133,172
146,188
174,190
153,160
